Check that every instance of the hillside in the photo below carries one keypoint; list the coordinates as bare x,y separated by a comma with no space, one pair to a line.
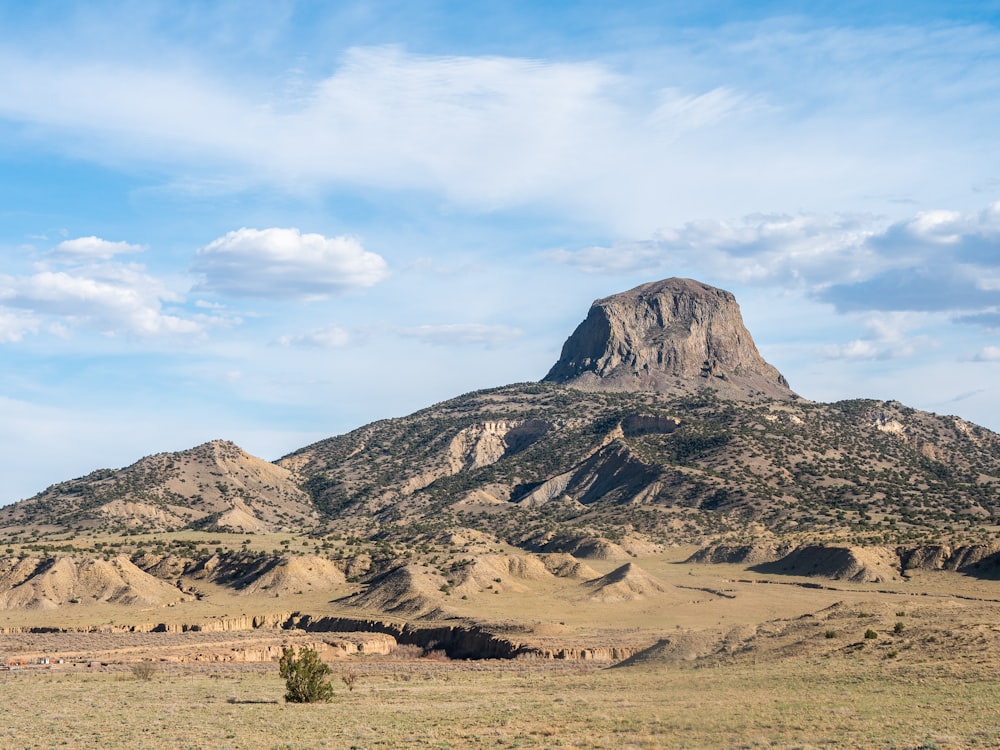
215,486
524,461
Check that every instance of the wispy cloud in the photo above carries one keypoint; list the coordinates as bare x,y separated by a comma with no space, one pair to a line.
286,264
700,125
890,336
83,248
328,337
763,249
462,334
935,261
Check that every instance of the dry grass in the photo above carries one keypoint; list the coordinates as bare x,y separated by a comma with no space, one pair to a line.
847,703
781,665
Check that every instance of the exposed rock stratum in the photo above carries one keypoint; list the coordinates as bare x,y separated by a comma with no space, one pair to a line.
669,336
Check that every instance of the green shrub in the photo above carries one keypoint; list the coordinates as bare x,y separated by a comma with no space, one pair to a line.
898,628
869,634
306,677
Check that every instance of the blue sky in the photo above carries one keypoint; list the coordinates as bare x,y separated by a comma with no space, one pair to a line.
275,222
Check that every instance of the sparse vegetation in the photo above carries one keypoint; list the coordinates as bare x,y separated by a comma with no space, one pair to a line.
144,670
306,676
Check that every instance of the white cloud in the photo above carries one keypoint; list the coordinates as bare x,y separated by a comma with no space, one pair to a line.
112,299
988,354
462,334
13,326
762,249
892,335
83,248
87,290
284,263
857,349
329,337
752,115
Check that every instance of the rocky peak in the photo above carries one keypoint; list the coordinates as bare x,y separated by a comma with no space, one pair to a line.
670,335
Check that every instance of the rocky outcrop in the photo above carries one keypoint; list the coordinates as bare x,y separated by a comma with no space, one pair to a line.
486,443
671,335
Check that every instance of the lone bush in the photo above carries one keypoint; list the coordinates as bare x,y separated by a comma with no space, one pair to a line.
143,670
306,677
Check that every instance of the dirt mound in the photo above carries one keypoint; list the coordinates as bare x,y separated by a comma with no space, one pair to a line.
638,546
409,590
47,583
584,547
755,553
499,573
977,559
167,567
239,518
296,574
564,565
857,564
682,647
463,537
627,583
980,560
927,557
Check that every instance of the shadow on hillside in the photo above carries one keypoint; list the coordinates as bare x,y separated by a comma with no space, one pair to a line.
837,565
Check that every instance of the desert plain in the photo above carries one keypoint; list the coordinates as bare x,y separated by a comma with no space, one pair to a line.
680,654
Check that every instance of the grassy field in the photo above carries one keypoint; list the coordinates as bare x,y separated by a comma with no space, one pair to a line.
864,702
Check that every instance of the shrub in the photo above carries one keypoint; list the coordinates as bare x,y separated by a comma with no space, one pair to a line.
831,633
898,628
144,670
306,677
869,634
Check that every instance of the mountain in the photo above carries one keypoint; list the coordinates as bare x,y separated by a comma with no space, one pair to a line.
659,424
215,486
675,335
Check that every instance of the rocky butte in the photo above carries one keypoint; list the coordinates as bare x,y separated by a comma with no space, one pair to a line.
673,335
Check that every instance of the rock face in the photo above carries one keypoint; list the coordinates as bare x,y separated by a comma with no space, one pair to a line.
673,335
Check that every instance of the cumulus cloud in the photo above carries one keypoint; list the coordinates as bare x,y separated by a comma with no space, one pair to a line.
328,337
285,264
87,290
935,261
462,334
110,298
83,248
